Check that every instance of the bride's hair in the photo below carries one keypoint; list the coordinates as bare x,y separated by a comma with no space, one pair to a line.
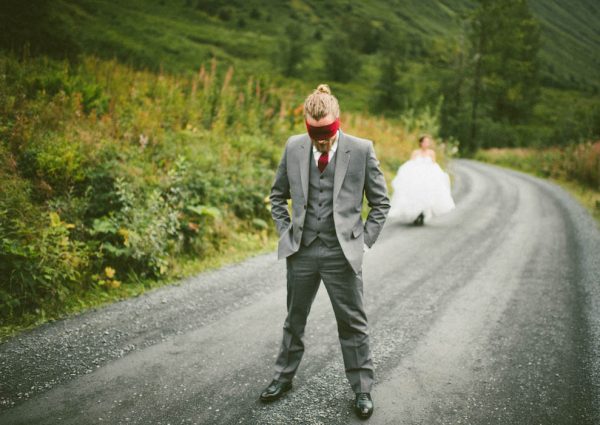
321,102
422,137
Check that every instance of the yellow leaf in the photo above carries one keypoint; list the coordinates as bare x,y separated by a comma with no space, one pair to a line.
125,233
54,219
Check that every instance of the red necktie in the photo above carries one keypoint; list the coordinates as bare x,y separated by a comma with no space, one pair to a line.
323,160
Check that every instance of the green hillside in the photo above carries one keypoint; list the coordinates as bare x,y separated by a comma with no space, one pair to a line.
571,39
182,34
259,37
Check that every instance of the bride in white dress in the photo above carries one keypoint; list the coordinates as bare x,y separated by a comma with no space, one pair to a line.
421,187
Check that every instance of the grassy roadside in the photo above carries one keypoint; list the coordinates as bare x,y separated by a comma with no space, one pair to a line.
237,249
526,160
589,198
113,180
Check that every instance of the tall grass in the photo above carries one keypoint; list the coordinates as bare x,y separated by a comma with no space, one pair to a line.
578,162
109,174
395,139
576,167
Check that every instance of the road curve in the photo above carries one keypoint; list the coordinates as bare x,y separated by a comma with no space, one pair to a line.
487,315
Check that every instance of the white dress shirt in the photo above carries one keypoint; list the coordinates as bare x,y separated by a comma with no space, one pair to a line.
317,155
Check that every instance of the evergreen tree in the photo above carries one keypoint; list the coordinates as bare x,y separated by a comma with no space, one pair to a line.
341,61
453,68
390,95
506,40
291,50
448,58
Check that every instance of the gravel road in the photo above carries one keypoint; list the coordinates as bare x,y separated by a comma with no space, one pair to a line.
487,315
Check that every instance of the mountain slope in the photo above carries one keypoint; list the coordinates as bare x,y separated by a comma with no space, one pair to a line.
570,37
181,34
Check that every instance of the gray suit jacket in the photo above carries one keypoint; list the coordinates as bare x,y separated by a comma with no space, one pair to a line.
357,172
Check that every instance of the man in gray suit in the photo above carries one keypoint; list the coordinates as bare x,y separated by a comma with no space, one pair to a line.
325,173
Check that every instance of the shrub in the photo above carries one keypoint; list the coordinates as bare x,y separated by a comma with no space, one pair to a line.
40,268
137,235
578,162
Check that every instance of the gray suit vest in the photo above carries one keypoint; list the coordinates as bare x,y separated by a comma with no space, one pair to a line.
318,222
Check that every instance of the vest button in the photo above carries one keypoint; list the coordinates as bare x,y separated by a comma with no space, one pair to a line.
320,190
300,227
318,218
320,204
321,176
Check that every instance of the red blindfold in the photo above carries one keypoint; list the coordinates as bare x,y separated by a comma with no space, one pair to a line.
323,132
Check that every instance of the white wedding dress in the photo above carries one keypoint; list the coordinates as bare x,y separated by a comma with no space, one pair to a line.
420,186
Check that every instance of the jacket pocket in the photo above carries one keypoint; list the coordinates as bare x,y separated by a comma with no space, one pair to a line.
285,231
357,230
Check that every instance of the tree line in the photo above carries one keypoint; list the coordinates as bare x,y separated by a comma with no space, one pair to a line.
488,77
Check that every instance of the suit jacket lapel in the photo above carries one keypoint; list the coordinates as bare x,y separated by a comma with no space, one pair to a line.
341,163
305,152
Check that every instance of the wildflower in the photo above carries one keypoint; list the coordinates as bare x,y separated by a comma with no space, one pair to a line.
110,272
143,141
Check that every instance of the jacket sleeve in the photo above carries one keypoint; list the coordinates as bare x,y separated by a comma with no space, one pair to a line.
280,193
377,197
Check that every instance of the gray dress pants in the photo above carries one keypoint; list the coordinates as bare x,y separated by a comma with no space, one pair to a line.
305,269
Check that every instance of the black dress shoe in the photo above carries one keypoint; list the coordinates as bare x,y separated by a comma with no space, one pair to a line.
419,220
275,390
363,405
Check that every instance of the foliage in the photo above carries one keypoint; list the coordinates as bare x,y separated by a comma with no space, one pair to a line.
137,235
128,169
40,267
576,162
179,35
427,40
506,39
36,28
394,140
291,50
390,93
502,69
339,58
491,89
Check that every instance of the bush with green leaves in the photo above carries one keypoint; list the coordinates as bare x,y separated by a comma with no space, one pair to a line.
110,173
40,268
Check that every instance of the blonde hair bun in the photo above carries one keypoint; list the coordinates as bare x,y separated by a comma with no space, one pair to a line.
321,102
323,88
